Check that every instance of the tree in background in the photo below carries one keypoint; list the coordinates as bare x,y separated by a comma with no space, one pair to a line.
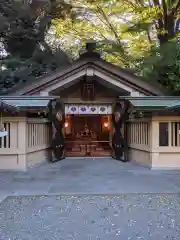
162,62
23,33
137,34
112,25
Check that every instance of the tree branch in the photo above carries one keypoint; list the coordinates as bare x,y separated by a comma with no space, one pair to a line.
174,7
109,24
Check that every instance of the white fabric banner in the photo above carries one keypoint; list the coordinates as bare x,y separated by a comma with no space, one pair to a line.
100,109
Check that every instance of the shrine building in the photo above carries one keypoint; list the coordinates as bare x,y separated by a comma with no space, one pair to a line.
89,87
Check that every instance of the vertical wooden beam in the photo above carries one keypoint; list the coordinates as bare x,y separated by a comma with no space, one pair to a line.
126,142
22,144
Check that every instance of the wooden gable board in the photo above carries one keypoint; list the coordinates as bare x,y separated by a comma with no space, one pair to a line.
100,67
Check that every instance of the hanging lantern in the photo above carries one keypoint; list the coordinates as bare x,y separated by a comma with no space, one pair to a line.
106,125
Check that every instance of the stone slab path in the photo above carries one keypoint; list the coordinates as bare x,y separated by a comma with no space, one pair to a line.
89,199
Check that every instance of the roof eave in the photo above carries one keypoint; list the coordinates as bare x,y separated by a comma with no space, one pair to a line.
80,63
4,106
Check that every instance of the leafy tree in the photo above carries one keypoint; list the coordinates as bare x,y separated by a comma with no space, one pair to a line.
163,65
23,34
119,28
135,34
162,62
138,34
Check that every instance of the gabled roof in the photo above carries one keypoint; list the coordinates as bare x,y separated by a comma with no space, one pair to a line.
84,62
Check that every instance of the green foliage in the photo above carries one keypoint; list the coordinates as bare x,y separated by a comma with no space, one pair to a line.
164,66
137,34
23,32
113,25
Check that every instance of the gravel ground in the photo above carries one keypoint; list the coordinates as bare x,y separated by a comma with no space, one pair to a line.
126,217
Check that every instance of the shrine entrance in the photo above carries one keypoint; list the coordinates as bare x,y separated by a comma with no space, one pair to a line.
88,135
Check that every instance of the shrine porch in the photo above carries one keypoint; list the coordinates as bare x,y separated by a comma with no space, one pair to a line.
152,135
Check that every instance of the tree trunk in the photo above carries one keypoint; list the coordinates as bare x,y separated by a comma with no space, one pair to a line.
166,23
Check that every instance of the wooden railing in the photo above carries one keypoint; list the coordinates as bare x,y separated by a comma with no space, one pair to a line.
139,141
38,133
139,133
26,143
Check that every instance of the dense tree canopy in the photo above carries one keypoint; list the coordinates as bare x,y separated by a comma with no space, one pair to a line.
23,36
141,35
137,34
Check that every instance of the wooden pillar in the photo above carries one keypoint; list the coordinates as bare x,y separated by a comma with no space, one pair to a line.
22,144
126,142
154,143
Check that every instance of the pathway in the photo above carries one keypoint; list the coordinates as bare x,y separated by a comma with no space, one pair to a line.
90,199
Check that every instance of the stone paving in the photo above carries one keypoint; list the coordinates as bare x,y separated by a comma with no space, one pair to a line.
90,199
124,217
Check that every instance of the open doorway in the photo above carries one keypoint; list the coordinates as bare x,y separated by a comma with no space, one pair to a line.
88,135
